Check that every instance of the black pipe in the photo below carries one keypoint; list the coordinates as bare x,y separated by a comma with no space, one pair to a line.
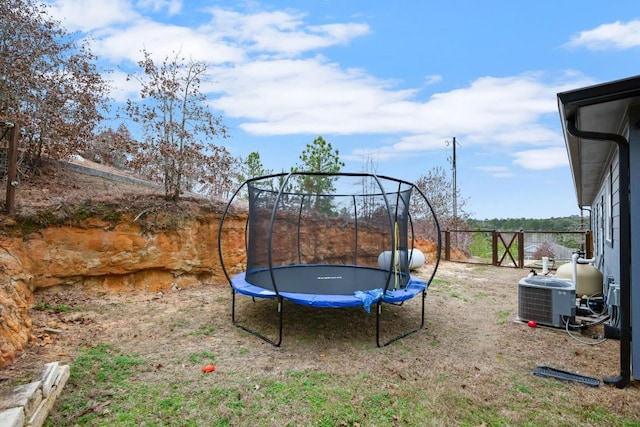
623,379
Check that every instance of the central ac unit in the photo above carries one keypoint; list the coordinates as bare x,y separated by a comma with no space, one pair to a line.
547,301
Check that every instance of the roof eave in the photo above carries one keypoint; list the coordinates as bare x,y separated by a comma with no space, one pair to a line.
612,98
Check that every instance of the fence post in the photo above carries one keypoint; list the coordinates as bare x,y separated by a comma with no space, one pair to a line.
521,249
494,248
447,245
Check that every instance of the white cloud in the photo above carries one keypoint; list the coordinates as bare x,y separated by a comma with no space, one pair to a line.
405,147
432,79
280,97
164,40
547,158
123,88
266,74
421,142
118,32
173,6
496,171
90,15
315,96
617,35
281,32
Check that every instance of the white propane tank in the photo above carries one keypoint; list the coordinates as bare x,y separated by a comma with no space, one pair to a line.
416,258
588,281
384,259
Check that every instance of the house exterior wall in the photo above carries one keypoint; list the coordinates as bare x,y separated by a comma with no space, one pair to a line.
605,217
606,214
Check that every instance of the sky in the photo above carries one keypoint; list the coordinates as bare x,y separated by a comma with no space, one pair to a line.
388,84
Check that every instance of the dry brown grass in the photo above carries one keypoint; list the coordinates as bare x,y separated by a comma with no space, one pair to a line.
472,355
470,365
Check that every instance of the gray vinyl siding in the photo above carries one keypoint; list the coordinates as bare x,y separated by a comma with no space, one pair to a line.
607,253
607,244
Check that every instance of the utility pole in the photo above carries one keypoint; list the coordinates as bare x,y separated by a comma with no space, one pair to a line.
455,189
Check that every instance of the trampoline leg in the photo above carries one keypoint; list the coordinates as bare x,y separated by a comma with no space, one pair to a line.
378,311
233,306
404,334
280,315
252,331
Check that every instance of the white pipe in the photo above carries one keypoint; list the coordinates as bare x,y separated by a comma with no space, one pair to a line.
575,260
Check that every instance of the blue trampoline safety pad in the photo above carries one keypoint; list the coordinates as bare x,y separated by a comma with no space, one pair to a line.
413,288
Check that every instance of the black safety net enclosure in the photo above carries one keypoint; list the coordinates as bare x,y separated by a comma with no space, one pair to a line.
332,240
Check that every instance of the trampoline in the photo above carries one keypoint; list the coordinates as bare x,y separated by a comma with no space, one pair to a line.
316,239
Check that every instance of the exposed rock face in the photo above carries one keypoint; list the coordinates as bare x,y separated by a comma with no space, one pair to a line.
100,254
15,323
97,254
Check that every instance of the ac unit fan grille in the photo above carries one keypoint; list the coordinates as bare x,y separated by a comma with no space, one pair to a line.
535,304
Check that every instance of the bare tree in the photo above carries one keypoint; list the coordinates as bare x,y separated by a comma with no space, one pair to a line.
368,188
111,147
544,250
437,188
173,116
48,82
213,175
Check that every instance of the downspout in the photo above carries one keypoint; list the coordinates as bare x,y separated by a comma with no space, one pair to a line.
623,379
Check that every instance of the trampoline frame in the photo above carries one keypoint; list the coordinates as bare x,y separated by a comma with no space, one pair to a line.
393,297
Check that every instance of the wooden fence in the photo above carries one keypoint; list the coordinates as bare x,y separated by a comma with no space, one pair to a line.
515,248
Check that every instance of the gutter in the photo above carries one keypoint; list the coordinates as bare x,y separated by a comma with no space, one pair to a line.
623,379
